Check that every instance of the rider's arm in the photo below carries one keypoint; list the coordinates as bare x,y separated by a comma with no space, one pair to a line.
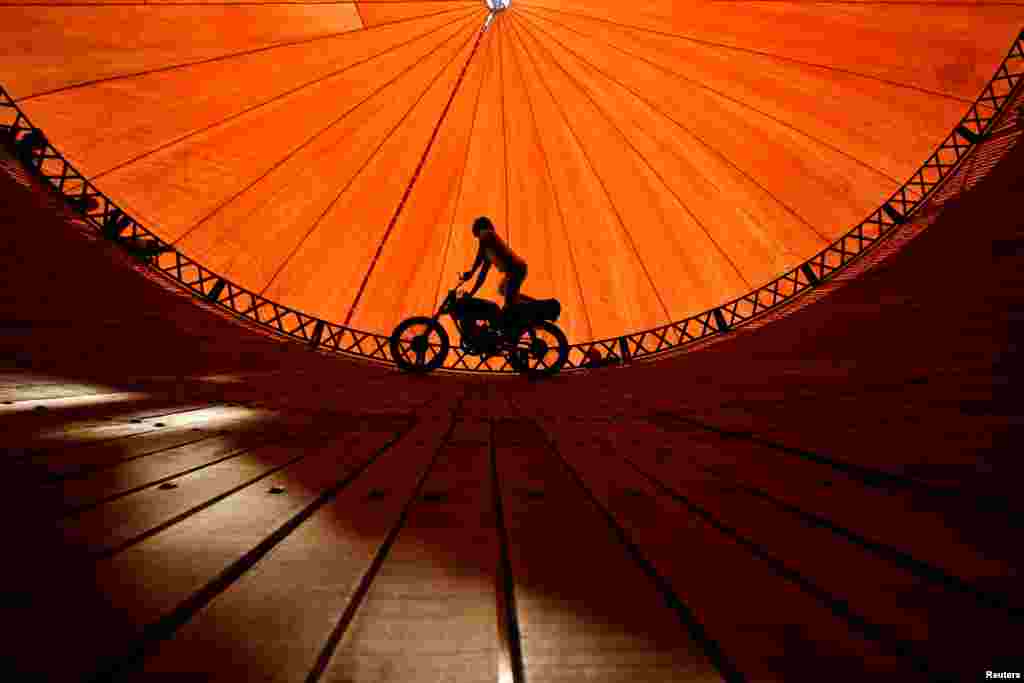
476,262
480,278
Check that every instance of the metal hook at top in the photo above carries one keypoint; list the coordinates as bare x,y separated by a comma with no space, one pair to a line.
495,6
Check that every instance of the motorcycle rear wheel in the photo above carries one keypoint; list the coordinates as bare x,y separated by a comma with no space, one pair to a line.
534,354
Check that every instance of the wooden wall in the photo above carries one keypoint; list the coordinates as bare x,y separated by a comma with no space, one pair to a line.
832,495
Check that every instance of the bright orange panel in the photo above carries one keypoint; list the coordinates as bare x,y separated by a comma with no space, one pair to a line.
56,47
682,262
883,125
621,294
745,224
648,159
187,182
377,13
292,200
148,112
962,46
413,272
327,272
535,216
485,185
828,189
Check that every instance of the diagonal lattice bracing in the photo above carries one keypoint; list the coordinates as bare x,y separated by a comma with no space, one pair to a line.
974,131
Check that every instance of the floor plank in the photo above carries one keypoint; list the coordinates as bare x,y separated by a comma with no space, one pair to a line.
292,599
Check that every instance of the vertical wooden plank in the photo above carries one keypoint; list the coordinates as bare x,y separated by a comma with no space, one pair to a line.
223,540
759,616
49,433
77,461
910,606
430,613
570,617
292,598
891,517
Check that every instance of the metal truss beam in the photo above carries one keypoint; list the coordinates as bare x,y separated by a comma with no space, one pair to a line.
979,126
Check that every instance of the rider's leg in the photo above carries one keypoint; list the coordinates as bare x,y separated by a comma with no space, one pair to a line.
513,281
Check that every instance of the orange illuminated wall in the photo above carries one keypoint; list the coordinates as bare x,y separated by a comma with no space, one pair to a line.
649,159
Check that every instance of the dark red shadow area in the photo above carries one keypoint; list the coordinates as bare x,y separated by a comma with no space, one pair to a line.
894,392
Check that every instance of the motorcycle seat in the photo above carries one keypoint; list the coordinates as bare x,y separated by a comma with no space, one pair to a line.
541,309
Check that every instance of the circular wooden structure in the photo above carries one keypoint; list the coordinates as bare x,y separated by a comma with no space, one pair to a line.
832,495
651,161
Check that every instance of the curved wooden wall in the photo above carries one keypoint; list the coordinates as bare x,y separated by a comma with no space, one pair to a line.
834,492
650,160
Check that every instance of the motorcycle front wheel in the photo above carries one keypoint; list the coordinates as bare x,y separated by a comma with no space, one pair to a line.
540,350
419,344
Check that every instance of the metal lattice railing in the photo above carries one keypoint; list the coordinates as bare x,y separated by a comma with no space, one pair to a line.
33,149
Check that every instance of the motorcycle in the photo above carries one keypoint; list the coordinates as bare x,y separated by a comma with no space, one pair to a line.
524,333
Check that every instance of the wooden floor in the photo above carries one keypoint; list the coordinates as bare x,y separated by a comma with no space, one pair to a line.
834,496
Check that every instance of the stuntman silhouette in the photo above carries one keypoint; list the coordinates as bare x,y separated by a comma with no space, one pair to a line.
494,251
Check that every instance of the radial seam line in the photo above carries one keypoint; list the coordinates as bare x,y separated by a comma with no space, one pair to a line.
869,476
218,58
308,141
57,450
275,98
711,648
649,165
724,96
896,556
504,127
714,151
881,634
554,192
458,192
600,180
132,656
73,511
366,580
756,52
316,224
88,470
509,616
111,551
414,178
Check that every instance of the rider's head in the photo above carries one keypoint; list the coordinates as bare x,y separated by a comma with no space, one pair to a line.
482,223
